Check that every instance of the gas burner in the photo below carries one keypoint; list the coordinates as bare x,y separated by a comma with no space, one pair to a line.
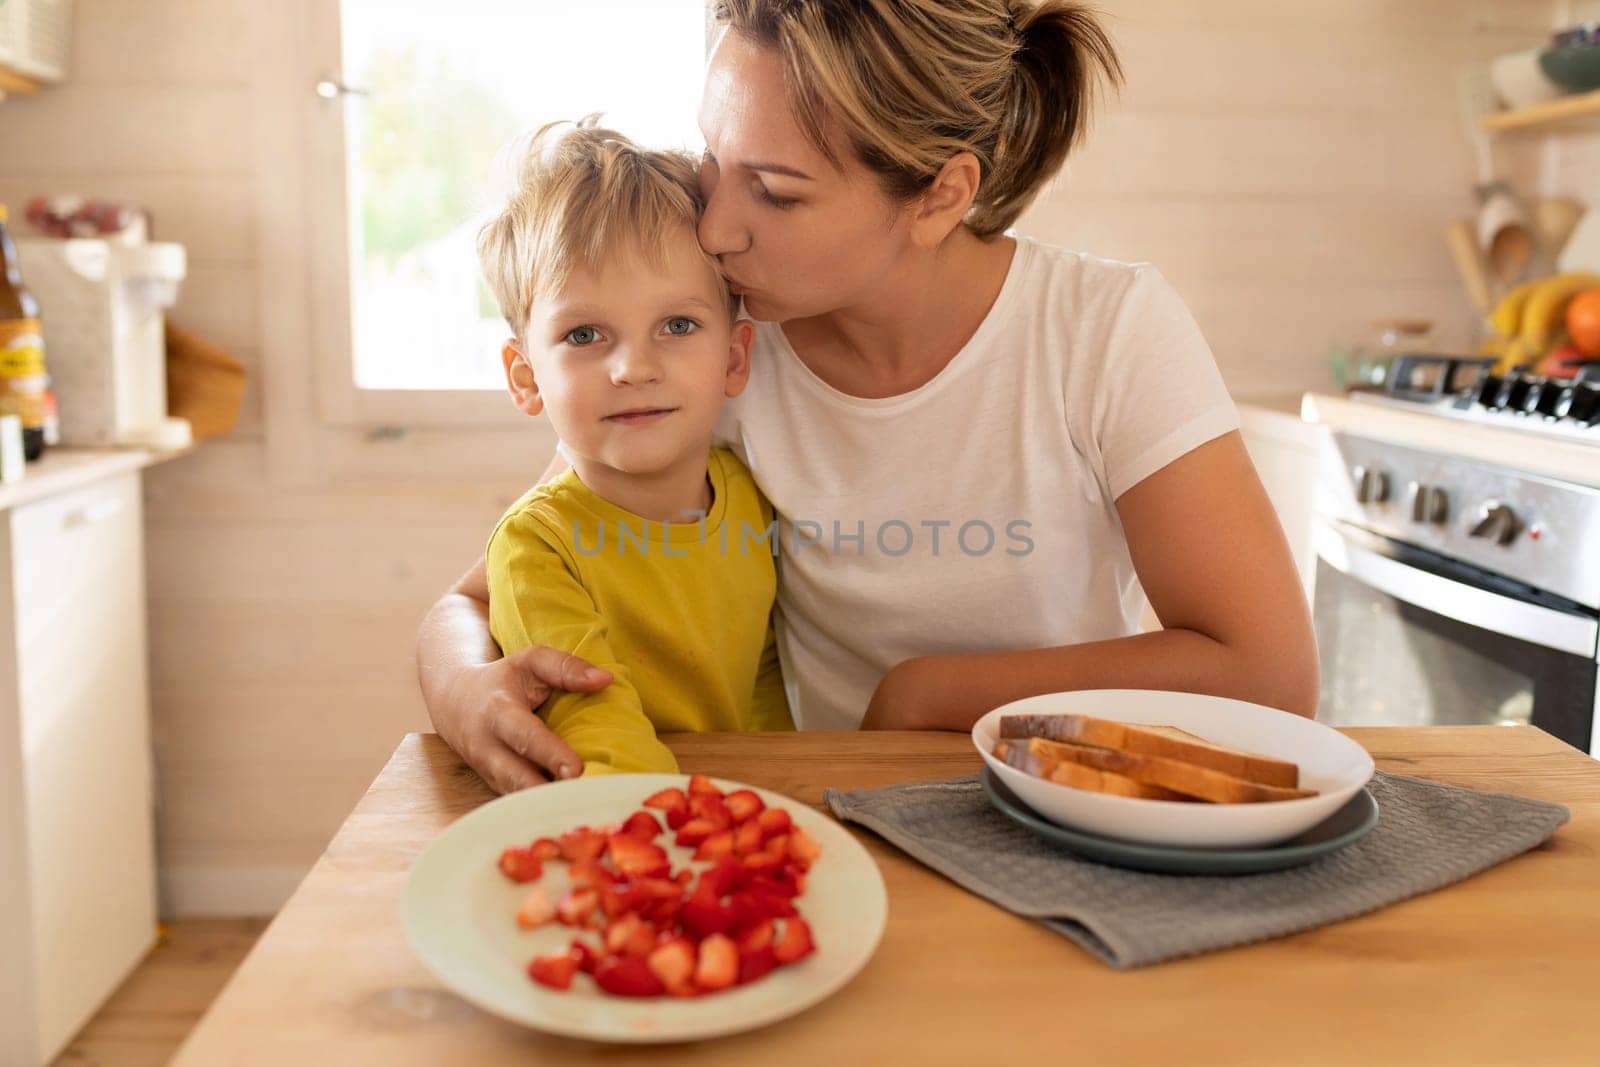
1465,388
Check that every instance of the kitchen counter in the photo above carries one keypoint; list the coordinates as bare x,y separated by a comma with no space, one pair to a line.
1495,969
1550,457
61,469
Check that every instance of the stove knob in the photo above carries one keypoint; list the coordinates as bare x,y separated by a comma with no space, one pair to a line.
1534,395
1429,503
1584,404
1489,390
1554,399
1496,522
1372,486
1514,394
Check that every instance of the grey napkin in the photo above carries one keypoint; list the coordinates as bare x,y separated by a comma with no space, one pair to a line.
1428,835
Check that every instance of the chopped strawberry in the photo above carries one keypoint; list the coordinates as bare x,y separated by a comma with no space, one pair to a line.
718,965
722,877
576,906
586,957
778,844
744,805
581,844
763,864
520,864
710,807
699,783
774,821
555,971
757,937
668,800
536,909
795,941
627,976
803,848
589,874
695,831
545,849
643,825
747,839
716,846
676,818
630,936
773,886
621,899
703,916
637,859
744,913
751,905
674,962
757,964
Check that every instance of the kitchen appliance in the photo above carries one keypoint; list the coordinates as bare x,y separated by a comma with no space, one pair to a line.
101,304
1451,591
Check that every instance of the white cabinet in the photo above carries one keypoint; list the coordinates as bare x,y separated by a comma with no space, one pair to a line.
78,896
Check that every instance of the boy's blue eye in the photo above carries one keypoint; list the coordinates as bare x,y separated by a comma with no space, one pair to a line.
583,335
680,326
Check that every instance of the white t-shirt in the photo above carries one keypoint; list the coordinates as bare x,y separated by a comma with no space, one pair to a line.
974,513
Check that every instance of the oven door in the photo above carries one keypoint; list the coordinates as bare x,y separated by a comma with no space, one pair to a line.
1410,638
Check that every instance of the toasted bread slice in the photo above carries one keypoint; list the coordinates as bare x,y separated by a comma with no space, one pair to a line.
1168,742
1040,763
1171,774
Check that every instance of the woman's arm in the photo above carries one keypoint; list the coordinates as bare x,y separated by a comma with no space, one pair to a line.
1213,560
484,706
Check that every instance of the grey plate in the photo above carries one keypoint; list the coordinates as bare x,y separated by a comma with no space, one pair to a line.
1347,825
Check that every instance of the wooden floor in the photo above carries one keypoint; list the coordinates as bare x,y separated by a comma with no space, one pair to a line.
148,1017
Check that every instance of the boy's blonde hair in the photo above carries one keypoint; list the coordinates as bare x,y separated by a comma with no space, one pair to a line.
582,194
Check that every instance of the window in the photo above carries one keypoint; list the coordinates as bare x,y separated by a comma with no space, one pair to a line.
432,93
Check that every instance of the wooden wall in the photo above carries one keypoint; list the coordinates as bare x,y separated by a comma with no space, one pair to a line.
1289,165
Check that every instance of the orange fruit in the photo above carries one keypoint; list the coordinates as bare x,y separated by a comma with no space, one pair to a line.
1583,321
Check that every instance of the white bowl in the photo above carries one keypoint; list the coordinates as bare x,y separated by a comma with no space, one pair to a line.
1330,763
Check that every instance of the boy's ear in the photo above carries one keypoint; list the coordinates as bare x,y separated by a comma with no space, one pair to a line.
520,382
739,341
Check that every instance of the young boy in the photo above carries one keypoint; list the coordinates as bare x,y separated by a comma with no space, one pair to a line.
645,557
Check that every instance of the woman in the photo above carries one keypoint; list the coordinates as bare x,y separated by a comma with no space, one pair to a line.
979,447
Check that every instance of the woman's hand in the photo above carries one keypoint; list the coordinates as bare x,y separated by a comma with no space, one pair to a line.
489,715
486,707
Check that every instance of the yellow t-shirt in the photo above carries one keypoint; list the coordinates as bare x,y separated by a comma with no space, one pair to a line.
679,613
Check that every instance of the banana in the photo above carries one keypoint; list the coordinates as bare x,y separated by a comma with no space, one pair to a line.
1507,316
1546,309
1514,355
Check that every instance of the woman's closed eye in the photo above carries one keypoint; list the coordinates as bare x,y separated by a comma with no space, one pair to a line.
767,196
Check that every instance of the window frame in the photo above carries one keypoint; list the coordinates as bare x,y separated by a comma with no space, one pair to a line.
339,400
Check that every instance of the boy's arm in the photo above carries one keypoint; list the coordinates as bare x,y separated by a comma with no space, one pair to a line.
534,599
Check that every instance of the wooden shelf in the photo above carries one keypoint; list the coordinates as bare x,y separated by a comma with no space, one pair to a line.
1562,109
13,83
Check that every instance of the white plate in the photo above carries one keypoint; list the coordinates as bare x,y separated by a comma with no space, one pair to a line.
1329,762
460,916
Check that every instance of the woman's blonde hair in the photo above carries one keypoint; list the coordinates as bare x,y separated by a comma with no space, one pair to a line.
910,83
580,194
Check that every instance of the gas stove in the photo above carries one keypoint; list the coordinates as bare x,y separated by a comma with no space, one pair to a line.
1465,388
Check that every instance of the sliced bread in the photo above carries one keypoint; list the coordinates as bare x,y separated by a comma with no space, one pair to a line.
1176,775
1041,763
1168,742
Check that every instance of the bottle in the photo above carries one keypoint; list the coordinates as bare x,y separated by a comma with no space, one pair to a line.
23,382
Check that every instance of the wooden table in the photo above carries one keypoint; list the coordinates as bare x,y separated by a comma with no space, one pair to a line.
1501,968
